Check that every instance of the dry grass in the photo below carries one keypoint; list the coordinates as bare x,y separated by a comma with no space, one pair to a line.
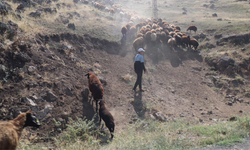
127,78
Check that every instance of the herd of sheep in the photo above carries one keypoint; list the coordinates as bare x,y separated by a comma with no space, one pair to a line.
158,31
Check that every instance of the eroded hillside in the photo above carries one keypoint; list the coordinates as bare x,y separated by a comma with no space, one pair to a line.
48,47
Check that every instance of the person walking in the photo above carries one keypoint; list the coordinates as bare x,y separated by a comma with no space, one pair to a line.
139,68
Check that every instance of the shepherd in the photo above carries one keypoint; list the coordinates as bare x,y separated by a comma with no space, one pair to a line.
139,68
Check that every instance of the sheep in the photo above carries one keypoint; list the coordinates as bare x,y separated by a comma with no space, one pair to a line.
185,40
166,31
139,35
132,31
95,87
193,42
192,27
178,28
164,37
10,131
172,42
138,43
112,11
178,39
107,117
148,36
124,31
128,26
172,33
143,30
153,31
139,25
153,37
154,26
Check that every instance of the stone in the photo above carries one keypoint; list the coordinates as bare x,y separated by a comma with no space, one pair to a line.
214,15
160,116
31,69
50,96
35,14
152,116
232,118
68,91
43,113
223,62
2,72
71,26
103,81
22,57
29,101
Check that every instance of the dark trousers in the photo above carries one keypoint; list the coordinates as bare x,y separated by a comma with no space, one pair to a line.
138,81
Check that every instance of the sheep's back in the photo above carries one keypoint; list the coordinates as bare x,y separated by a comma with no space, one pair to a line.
8,136
106,116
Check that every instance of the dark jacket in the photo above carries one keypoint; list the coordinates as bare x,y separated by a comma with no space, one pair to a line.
139,63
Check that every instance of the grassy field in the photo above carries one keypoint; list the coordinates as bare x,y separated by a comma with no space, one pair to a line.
150,134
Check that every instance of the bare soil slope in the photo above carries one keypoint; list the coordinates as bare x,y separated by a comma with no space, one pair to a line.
45,73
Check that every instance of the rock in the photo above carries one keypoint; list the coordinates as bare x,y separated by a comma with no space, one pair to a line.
203,36
223,62
65,115
85,2
68,91
2,71
160,116
50,96
3,9
217,36
182,115
197,68
152,116
209,112
43,113
49,10
22,57
238,39
103,81
29,101
8,30
212,6
233,119
71,26
214,15
31,69
35,98
64,20
229,103
20,8
76,14
35,14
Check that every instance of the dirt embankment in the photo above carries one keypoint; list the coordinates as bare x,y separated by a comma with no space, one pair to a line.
45,73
